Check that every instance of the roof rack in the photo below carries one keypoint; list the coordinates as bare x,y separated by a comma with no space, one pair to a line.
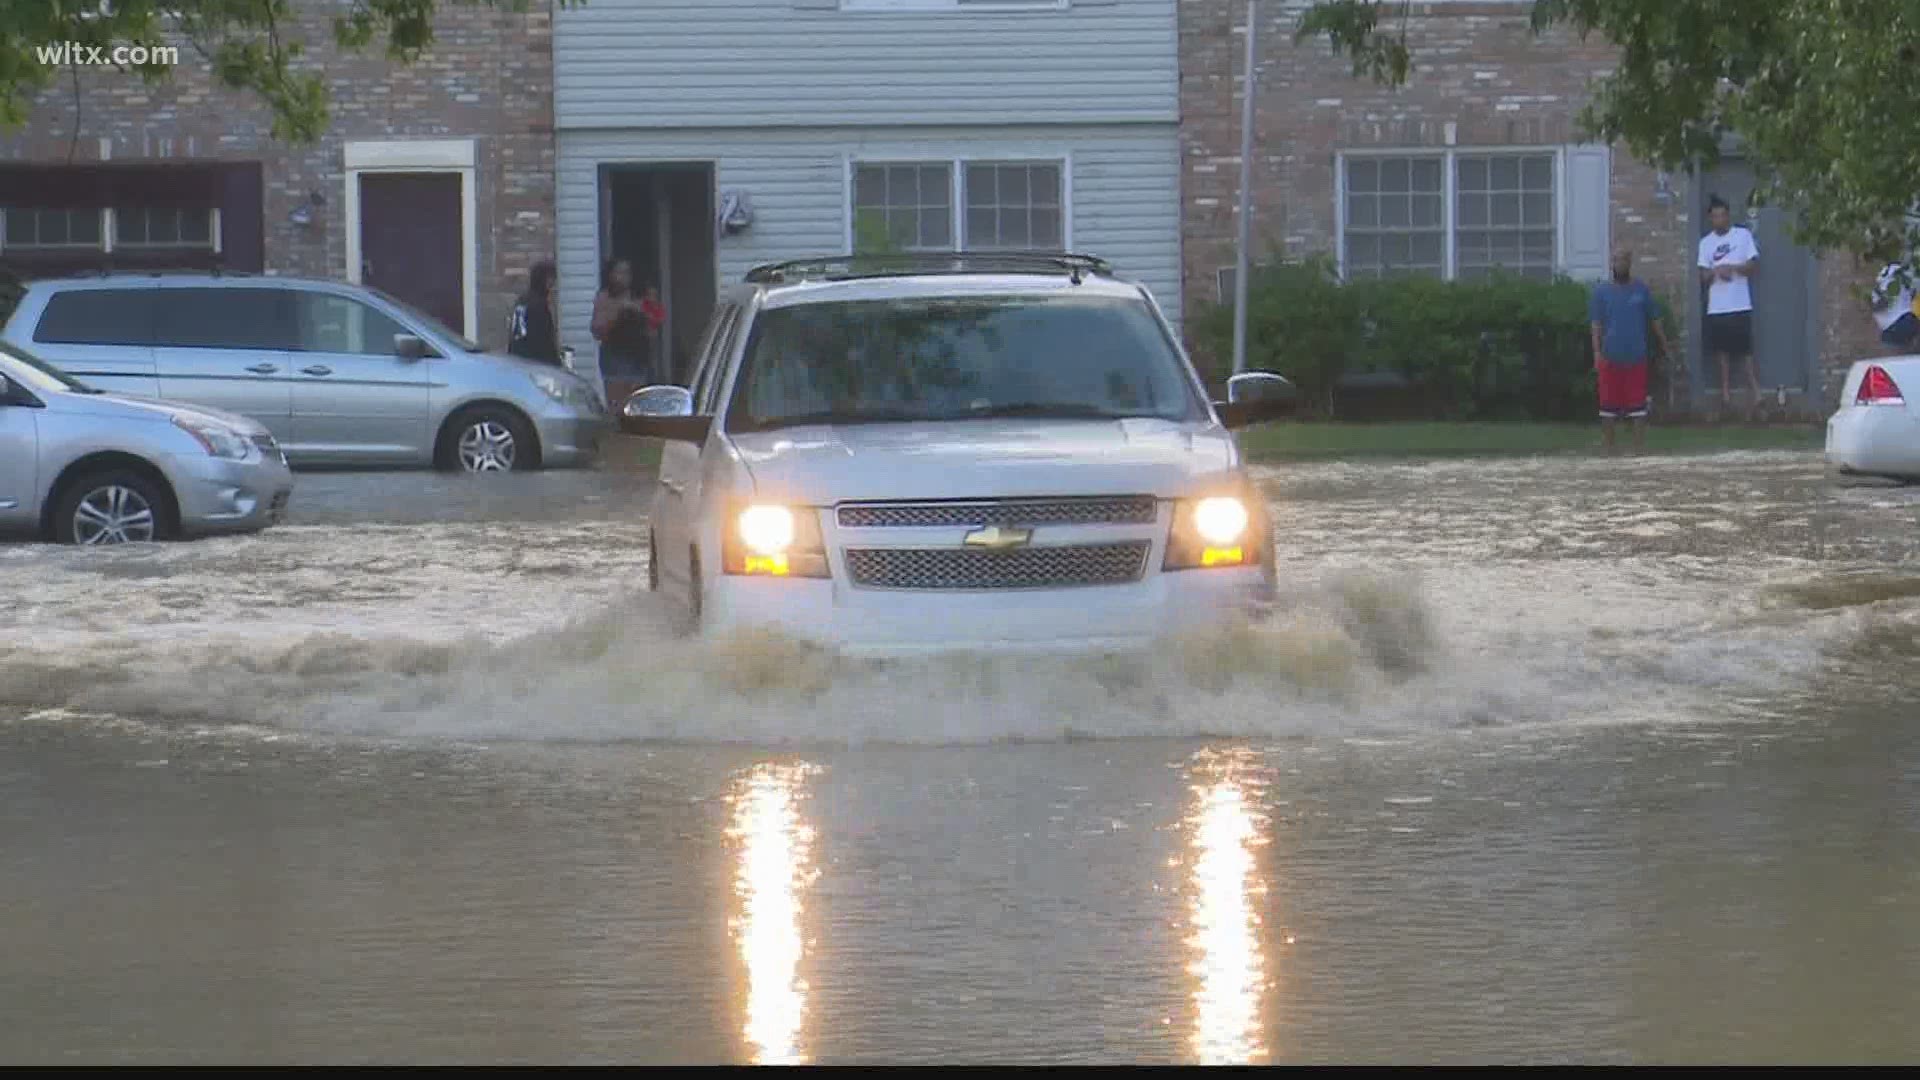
102,272
853,267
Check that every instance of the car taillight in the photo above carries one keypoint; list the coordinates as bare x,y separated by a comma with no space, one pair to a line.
1878,388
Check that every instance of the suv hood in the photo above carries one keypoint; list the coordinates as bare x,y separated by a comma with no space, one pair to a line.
129,406
827,464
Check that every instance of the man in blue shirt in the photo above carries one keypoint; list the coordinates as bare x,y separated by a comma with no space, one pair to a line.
1621,311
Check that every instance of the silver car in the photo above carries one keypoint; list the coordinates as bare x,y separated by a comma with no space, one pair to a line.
341,375
85,467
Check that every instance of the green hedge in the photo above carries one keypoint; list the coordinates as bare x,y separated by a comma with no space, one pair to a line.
1501,347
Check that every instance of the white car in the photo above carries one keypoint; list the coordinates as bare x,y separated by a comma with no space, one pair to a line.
954,453
1876,430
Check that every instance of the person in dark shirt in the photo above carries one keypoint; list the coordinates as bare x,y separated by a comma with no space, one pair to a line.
1622,312
534,333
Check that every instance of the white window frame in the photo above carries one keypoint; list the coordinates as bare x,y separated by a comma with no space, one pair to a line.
105,242
1449,157
954,5
957,191
108,226
213,234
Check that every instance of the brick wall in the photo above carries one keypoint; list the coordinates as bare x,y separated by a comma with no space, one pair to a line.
1481,78
489,77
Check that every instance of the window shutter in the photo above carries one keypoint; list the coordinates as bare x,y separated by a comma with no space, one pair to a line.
1588,221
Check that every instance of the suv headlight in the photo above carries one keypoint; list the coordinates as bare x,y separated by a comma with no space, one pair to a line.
769,540
221,442
1215,531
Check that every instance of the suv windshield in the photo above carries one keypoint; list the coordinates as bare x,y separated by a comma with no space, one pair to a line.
957,358
430,322
37,374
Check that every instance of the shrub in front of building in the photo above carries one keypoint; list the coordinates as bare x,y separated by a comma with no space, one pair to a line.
1414,346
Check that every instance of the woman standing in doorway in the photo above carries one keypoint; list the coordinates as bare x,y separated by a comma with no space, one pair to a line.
620,326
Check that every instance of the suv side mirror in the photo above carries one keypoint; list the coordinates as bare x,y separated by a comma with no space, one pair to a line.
409,347
7,391
664,412
1255,397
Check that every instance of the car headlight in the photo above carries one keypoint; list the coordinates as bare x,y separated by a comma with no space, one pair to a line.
221,442
1220,521
768,540
566,390
1209,532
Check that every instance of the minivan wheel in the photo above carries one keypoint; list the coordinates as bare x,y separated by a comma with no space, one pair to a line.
487,440
111,507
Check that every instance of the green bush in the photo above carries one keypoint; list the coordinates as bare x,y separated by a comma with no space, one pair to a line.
1500,347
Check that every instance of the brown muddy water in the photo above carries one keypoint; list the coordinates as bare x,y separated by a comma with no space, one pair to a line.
1555,760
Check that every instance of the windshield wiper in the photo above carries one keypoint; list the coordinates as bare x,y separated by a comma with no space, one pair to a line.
1056,409
872,416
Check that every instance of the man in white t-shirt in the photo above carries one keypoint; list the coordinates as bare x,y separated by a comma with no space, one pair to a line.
1727,258
1895,309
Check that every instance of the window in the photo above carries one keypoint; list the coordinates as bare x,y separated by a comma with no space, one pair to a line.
954,358
27,227
1394,219
1451,214
167,226
1505,218
719,346
336,324
97,317
1013,207
999,205
241,318
914,203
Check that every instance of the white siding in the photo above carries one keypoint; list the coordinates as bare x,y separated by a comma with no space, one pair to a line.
756,63
1123,194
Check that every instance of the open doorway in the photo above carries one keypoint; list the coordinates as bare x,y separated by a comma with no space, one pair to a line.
1786,325
660,218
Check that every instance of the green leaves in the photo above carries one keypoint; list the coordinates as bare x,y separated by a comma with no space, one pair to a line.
1493,347
1822,95
254,46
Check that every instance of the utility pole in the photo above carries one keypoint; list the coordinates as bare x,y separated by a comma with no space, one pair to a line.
1241,268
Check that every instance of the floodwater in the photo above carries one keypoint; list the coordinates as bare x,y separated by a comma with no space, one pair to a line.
1556,760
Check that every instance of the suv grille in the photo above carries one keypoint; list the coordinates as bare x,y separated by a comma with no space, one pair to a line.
1098,510
1028,568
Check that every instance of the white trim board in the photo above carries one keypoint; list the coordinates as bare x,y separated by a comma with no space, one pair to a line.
422,156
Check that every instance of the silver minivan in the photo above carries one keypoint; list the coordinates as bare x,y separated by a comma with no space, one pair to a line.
342,375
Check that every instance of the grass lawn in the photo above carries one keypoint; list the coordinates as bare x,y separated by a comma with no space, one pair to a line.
1284,441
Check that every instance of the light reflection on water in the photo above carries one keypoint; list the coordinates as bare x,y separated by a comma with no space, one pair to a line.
774,868
1226,885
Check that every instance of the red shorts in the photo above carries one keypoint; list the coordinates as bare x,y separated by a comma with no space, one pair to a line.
1623,389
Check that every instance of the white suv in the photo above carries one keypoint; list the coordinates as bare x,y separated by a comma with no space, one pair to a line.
980,452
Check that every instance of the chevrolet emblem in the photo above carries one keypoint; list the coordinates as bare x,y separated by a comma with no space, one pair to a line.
995,538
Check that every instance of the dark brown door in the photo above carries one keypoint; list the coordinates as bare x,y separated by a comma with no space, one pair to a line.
410,241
